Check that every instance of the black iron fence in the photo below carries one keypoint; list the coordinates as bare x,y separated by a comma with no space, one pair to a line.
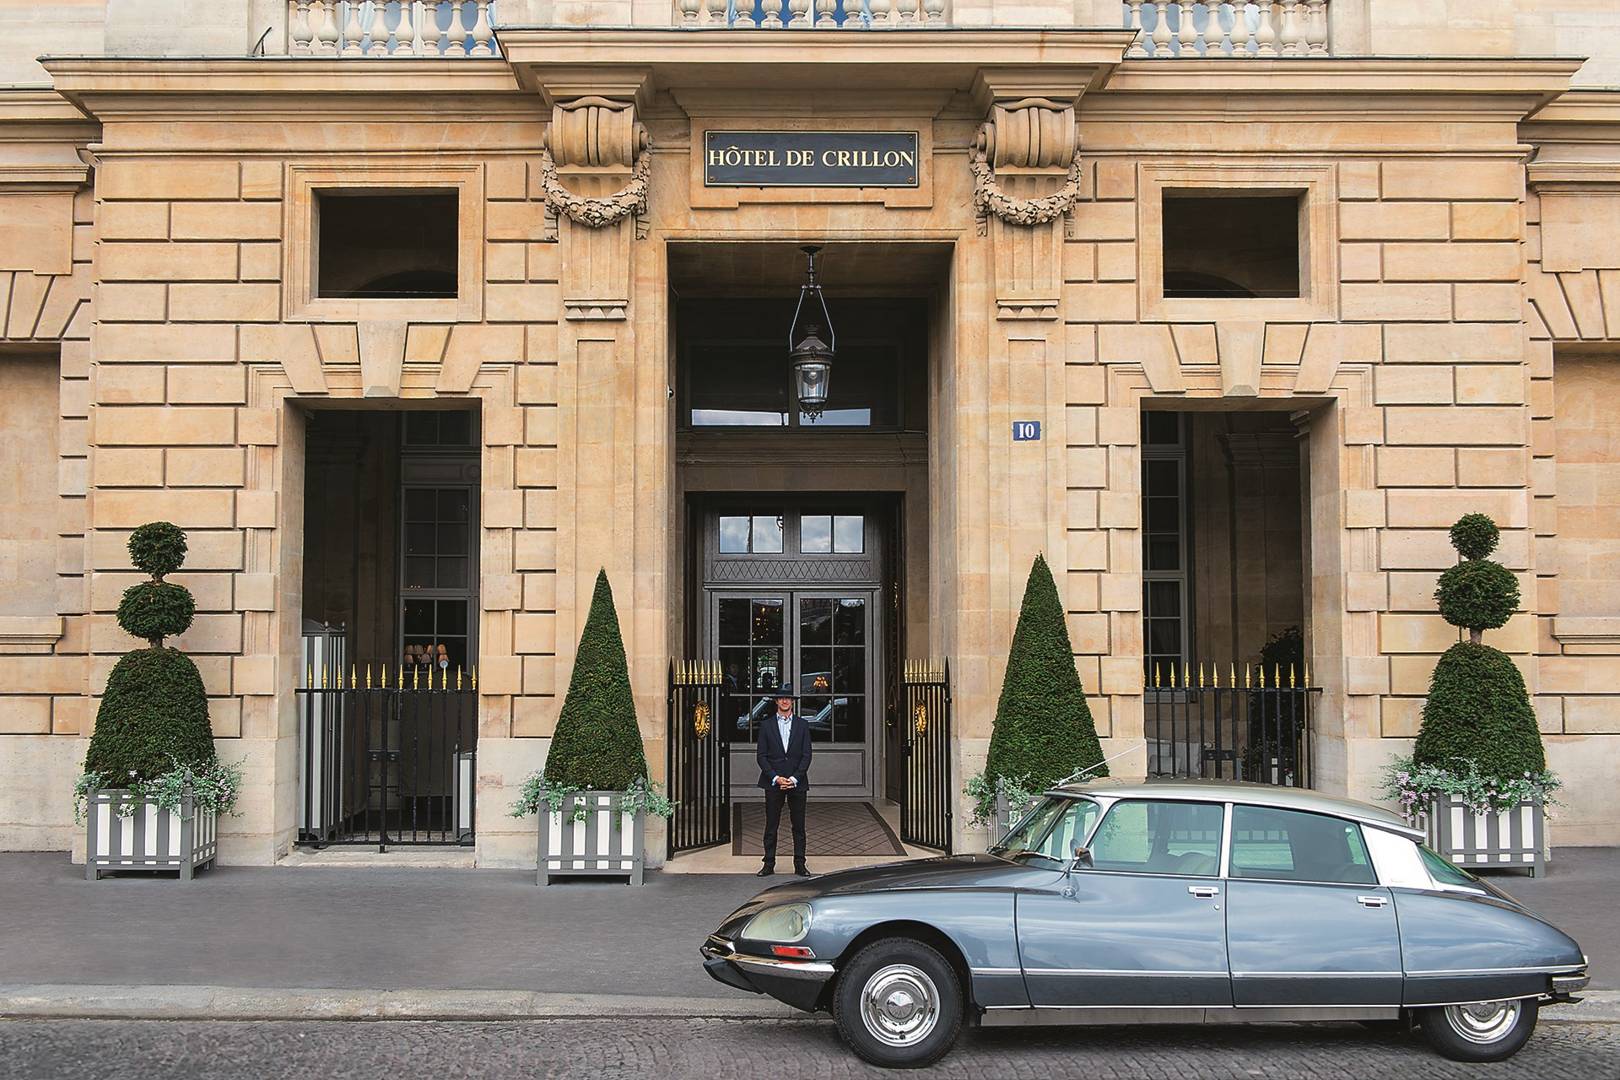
383,764
1240,723
926,809
699,758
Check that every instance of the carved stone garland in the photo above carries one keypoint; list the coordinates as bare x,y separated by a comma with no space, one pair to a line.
596,213
989,198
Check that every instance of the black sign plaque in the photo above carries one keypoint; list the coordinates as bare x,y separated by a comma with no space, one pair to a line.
810,159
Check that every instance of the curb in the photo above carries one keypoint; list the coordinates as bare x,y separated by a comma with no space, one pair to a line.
68,1001
94,1002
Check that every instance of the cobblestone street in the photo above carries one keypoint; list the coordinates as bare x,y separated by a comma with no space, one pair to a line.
138,1050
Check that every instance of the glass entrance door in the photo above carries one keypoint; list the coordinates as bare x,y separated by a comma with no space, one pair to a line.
821,641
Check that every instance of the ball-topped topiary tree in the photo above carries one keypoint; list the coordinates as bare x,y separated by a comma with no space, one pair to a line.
153,717
1478,710
1043,730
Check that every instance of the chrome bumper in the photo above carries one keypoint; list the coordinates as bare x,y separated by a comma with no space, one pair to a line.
817,971
1564,985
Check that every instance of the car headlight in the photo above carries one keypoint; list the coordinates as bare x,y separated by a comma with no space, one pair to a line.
790,922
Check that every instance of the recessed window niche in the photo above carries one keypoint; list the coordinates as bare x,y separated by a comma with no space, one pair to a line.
386,245
1230,244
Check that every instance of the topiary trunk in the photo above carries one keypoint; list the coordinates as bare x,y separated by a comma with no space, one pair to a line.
153,716
597,744
1043,728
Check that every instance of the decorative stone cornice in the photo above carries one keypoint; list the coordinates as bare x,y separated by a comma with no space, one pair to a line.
41,134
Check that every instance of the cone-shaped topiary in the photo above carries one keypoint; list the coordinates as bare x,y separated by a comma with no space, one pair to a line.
1043,729
597,744
1478,709
154,712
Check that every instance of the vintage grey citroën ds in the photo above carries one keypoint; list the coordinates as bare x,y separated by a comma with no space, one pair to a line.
1158,902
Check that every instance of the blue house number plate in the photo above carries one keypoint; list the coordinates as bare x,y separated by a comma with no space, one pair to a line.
1026,431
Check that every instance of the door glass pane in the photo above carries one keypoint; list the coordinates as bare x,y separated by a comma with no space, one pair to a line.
1294,846
1181,838
733,622
816,620
849,534
849,626
767,622
849,671
849,719
767,534
733,534
815,672
419,617
816,534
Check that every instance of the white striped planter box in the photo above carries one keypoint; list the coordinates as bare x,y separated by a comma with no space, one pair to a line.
608,842
148,838
1513,838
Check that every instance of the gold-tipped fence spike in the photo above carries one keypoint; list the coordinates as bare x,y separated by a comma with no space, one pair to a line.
1214,675
1276,676
416,677
324,680
368,674
1186,676
1155,674
458,676
1233,673
475,677
385,676
1307,673
1262,676
1200,674
1248,677
309,676
354,681
1290,676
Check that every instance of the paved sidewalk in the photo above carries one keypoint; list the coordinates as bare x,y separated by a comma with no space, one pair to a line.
317,942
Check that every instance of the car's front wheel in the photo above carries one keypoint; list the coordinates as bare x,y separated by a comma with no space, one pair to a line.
1482,1031
898,1004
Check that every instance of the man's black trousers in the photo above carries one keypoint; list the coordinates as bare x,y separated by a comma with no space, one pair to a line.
774,797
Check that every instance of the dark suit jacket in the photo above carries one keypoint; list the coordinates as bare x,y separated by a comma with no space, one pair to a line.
773,761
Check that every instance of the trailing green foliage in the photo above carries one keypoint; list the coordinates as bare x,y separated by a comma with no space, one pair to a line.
153,716
642,796
154,610
1043,728
1475,536
213,788
1416,787
1478,594
597,744
152,727
1478,711
157,548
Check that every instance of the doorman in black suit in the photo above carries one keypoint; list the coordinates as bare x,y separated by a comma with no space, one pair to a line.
784,773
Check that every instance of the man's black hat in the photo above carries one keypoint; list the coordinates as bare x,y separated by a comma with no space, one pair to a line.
785,691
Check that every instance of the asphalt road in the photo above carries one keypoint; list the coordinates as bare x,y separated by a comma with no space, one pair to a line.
712,1049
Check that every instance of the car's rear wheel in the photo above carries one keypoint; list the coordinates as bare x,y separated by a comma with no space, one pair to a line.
898,1004
1482,1031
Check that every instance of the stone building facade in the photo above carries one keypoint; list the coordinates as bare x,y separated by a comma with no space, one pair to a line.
1439,335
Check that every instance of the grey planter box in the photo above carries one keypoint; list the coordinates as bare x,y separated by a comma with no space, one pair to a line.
607,842
1509,839
148,838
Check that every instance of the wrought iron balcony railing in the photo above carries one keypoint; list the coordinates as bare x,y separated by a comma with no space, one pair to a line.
391,28
1271,28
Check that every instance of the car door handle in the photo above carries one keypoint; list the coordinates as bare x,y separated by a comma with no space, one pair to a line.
1203,892
1372,901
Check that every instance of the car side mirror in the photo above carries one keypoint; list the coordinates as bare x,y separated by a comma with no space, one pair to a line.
1081,858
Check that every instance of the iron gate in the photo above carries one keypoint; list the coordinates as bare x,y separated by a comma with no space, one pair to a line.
1249,723
699,758
382,764
927,801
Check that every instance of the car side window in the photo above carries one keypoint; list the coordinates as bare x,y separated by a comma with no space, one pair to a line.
1153,837
1293,845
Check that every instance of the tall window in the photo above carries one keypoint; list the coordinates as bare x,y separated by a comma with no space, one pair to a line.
1165,559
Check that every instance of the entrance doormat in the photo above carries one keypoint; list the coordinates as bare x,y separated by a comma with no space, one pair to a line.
830,828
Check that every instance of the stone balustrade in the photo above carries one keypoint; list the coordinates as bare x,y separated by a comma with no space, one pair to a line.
392,28
810,14
1268,29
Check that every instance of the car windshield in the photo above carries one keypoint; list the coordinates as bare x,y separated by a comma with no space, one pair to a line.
1048,833
1443,870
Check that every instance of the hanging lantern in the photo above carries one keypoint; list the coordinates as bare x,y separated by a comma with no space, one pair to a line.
811,343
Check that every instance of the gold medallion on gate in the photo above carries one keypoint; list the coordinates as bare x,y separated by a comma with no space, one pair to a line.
700,720
920,719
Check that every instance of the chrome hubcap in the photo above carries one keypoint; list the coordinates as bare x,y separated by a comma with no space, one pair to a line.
1483,1022
899,1005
